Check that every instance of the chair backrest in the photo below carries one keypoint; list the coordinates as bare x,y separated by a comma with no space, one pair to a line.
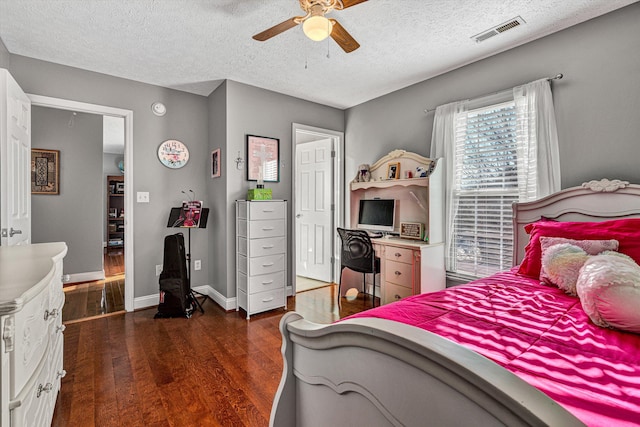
357,250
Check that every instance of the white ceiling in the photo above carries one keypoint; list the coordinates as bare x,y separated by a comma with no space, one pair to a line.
192,45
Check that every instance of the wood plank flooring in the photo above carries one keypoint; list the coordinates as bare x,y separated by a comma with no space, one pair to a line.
214,369
101,297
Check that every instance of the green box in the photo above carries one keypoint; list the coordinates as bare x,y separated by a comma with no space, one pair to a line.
259,194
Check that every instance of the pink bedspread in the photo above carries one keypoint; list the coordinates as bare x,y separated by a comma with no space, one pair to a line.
540,334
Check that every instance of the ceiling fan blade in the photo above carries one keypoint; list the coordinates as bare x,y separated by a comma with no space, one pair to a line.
349,3
277,29
343,38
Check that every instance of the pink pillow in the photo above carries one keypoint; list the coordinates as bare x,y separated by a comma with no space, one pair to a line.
562,259
609,291
625,231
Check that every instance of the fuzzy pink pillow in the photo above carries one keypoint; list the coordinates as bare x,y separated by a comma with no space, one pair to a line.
609,290
563,258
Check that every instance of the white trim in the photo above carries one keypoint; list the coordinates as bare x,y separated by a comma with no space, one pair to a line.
88,276
83,107
338,189
227,304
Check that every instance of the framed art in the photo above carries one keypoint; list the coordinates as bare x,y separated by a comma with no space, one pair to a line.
215,163
263,159
45,171
393,170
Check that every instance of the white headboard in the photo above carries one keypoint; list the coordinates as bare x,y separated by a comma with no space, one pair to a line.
592,201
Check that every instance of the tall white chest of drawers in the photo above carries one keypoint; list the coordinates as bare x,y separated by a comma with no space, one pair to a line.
261,255
31,300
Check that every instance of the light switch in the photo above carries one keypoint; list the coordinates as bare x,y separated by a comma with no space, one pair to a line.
143,197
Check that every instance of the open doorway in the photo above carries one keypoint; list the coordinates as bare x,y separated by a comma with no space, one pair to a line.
126,118
317,200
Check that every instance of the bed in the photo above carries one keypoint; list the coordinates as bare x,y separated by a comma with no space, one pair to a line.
504,350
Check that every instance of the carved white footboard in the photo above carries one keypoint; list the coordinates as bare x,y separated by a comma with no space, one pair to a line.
376,372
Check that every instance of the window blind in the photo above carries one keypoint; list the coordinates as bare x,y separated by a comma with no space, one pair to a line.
485,186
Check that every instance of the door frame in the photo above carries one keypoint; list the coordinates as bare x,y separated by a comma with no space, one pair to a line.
337,191
83,107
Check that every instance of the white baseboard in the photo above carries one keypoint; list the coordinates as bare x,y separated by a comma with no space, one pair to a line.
152,300
89,276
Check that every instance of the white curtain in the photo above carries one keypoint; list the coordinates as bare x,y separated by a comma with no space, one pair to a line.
538,153
443,143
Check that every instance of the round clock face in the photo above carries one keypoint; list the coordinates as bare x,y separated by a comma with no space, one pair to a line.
173,154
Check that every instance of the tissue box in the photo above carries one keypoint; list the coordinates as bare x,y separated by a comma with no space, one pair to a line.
259,194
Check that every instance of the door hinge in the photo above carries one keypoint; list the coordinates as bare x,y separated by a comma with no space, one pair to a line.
4,233
333,153
333,207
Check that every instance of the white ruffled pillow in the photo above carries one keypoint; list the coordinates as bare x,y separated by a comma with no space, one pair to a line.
562,259
609,289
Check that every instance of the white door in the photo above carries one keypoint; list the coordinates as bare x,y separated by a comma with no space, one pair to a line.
313,212
15,158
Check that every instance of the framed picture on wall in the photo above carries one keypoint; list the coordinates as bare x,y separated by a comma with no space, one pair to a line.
263,158
45,171
215,163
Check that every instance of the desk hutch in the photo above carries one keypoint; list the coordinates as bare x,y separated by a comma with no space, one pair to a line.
408,266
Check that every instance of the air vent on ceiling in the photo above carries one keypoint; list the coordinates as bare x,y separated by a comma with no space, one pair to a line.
510,24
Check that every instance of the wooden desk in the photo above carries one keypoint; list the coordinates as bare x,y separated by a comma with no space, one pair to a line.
407,267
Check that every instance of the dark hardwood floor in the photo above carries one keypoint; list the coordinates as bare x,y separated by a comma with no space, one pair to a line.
214,369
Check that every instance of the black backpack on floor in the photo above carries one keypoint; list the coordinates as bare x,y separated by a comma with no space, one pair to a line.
175,289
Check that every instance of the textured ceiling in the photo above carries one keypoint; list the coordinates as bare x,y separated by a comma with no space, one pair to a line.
192,45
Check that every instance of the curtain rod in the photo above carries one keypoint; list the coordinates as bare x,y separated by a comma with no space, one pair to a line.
556,77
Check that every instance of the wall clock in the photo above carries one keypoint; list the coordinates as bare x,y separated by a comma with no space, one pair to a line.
173,154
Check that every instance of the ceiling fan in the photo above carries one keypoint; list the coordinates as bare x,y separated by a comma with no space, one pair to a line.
315,25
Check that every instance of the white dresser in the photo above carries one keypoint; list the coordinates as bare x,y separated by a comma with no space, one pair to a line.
31,300
261,255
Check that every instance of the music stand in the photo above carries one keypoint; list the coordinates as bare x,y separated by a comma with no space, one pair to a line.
177,221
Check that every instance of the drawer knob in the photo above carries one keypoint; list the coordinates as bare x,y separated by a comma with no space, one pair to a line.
397,297
62,374
267,228
46,388
61,328
267,299
267,282
268,210
268,264
53,313
267,247
397,273
398,254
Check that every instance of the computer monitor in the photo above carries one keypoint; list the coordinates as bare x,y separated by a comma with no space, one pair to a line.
377,214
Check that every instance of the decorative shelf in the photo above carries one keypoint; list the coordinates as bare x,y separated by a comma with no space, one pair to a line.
388,183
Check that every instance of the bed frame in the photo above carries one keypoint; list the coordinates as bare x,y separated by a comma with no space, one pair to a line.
376,372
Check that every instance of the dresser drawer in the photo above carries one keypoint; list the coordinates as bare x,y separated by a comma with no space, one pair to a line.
266,264
268,300
398,273
268,246
266,228
264,282
37,400
399,254
266,210
393,292
31,340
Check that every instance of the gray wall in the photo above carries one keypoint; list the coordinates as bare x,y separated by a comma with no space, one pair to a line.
596,104
75,216
186,120
255,111
5,56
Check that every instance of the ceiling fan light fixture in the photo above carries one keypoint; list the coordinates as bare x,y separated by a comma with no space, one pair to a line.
317,27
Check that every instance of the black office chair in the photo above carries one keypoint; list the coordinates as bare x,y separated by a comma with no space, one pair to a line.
357,254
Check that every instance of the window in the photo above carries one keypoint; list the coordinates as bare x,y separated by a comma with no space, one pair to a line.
485,184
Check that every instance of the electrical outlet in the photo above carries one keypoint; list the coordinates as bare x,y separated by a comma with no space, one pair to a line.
158,269
197,264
